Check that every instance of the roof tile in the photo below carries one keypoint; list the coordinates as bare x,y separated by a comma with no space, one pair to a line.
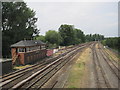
27,43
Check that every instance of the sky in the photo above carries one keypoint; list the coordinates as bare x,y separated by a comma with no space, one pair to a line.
90,17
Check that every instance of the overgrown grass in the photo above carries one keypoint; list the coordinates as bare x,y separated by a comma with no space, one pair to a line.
76,74
78,71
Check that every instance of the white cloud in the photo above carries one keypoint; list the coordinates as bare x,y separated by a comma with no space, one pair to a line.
92,17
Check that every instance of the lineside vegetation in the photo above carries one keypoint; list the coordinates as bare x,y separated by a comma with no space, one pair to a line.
112,42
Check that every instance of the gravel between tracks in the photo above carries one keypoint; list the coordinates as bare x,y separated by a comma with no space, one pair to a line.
106,78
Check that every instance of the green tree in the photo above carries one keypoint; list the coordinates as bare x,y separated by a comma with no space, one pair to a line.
40,37
79,36
112,42
53,37
67,34
94,37
18,23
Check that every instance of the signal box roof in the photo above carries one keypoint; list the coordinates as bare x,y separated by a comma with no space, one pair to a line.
28,43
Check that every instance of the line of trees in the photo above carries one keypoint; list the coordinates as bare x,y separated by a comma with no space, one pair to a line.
94,37
113,42
65,36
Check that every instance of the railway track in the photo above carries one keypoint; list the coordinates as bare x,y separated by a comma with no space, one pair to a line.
114,61
24,73
46,73
106,71
39,82
10,80
114,67
41,62
95,66
28,69
101,79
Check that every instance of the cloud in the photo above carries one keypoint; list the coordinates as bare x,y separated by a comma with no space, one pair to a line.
91,17
112,14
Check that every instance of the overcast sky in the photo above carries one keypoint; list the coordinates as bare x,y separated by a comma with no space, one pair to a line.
90,17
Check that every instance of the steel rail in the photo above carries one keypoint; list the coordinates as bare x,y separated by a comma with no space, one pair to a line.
4,82
35,74
109,62
102,71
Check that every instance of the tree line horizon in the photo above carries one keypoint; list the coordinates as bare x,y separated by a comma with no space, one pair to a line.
19,23
67,35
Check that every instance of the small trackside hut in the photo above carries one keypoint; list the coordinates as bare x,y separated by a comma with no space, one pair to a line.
28,51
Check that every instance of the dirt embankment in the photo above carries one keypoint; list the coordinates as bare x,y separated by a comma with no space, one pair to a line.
81,74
